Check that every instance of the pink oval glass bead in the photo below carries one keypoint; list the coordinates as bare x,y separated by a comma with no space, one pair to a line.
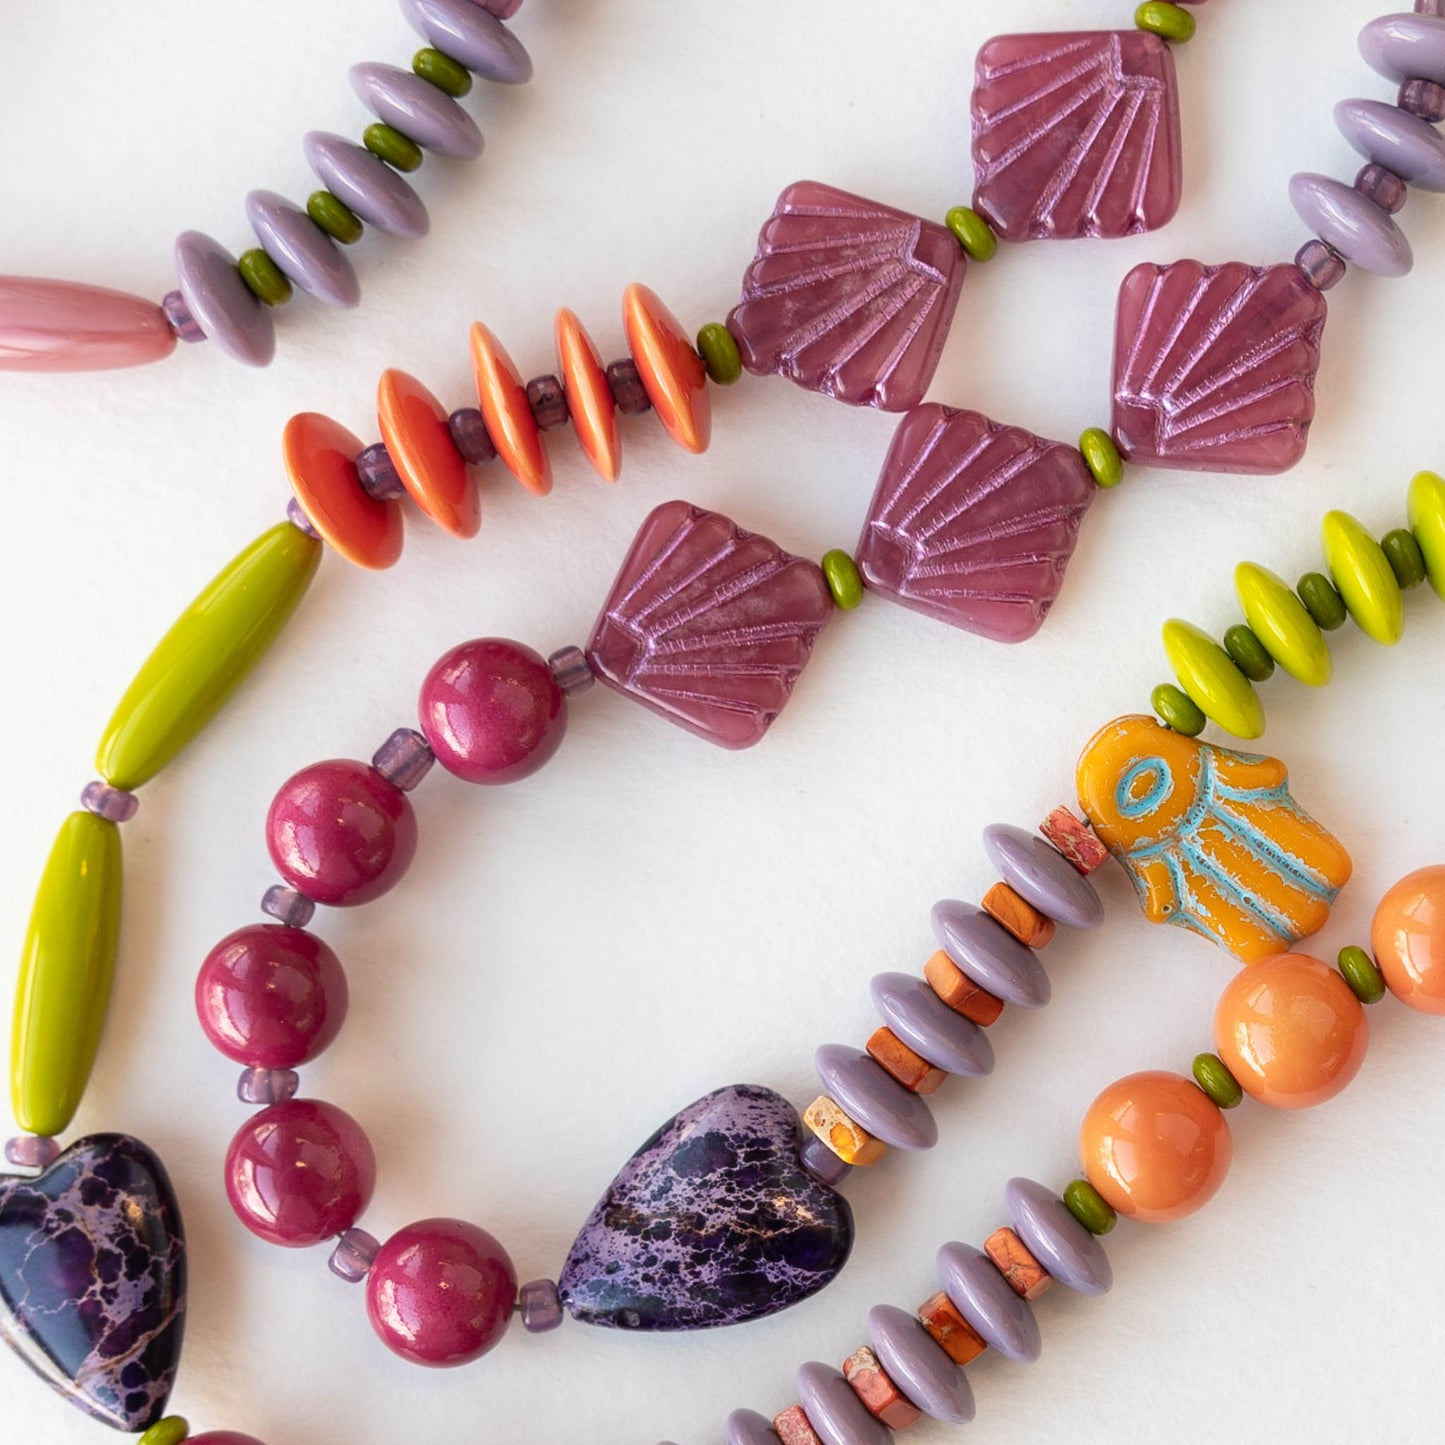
299,1173
340,833
440,1292
67,326
492,711
222,1437
270,996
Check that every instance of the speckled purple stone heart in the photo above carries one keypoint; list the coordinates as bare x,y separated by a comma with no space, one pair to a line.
93,1278
712,1222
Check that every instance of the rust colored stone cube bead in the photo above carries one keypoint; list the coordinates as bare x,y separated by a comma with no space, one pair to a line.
872,1385
1074,839
955,1336
960,992
1018,915
849,1140
911,1070
794,1427
1012,1259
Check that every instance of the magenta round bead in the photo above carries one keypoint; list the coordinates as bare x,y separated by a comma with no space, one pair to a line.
492,711
440,1292
340,833
299,1173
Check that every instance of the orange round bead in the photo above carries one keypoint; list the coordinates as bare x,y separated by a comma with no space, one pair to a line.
1155,1146
503,401
673,373
414,427
1408,939
320,457
1291,1031
589,398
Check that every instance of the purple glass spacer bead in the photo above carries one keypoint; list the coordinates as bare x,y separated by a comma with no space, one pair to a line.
1422,7
379,476
821,1162
548,402
572,670
502,9
404,759
1383,187
32,1151
288,906
627,389
471,437
352,1258
1320,266
115,805
296,515
267,1086
540,1306
1425,98
180,318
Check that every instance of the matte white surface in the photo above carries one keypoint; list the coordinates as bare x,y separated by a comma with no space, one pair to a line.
573,958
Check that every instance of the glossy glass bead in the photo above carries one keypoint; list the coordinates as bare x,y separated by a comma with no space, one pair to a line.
1101,457
1212,1075
1069,1251
1383,187
179,319
1323,268
834,1410
539,1306
990,955
548,402
1037,871
672,372
334,217
268,282
590,402
1177,710
362,524
220,302
627,389
53,326
267,1086
844,580
1351,224
1248,653
1363,577
1321,600
223,1437
433,120
413,424
1402,47
986,1300
470,33
404,759
442,71
918,1365
377,473
1207,673
32,1151
170,1431
1427,524
1403,554
302,250
821,1162
875,1098
1089,1207
510,423
287,906
924,1022
1168,22
1424,98
388,144
1281,622
115,805
1408,939
972,232
362,182
1358,970
355,1252
573,672
719,352
469,433
747,1427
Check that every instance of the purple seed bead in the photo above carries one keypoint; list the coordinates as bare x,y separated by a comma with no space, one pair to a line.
1424,7
417,109
916,1363
990,955
378,473
572,670
627,389
1039,873
471,437
540,1306
287,905
929,1027
1383,187
747,1427
1348,223
548,402
821,1162
352,1258
1424,98
302,249
32,1151
178,314
1319,265
296,515
404,759
115,805
835,1412
987,1301
1056,1239
872,1096
267,1086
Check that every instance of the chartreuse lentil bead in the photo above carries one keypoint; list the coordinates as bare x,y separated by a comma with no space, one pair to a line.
1089,1207
1249,654
719,351
1102,457
1283,624
205,656
170,1431
1366,981
1406,559
844,581
267,281
1427,523
442,71
65,974
1212,1075
1177,710
973,233
388,144
1208,674
334,217
1363,577
1168,22
1321,600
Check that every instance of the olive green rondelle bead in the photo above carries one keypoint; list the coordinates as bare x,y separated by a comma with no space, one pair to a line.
170,1431
265,278
1168,22
1089,1207
1366,981
1212,1075
1250,655
974,234
1177,710
1403,554
1102,457
844,580
388,144
334,217
442,71
1322,601
719,352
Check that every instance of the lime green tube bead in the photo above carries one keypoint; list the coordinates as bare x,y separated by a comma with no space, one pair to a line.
1427,522
1364,577
1168,22
201,661
1283,624
1208,675
65,974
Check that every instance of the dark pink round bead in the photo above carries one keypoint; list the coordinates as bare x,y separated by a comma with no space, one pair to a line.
270,996
300,1172
222,1437
340,833
492,711
440,1292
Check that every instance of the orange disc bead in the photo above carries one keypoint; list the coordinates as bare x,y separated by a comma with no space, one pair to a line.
1408,939
1155,1146
589,398
673,373
320,457
414,427
1291,1031
502,398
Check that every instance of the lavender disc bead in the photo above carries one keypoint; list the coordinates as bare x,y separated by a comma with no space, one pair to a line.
990,955
1395,139
466,32
987,1301
747,1427
220,302
417,109
916,1363
1056,1239
872,1096
302,249
1405,47
366,184
837,1415
929,1027
1351,224
1041,875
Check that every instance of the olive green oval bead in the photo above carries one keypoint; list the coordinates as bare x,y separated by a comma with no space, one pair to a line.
1321,601
170,1431
1366,981
334,217
388,144
1427,523
1363,577
265,279
1089,1207
844,580
1212,1075
206,655
1102,457
1248,653
65,974
1208,674
1283,624
1168,22
973,233
437,67
1177,710
719,351
1406,559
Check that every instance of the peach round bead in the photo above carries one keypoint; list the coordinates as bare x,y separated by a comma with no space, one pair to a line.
1408,939
589,398
1291,1031
502,398
320,456
673,373
413,425
1155,1146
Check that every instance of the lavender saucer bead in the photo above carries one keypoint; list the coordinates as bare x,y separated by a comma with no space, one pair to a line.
465,31
747,1427
1056,1239
1403,143
417,109
988,1302
837,1415
220,302
1405,47
872,1096
1351,224
366,184
302,249
990,955
1042,875
929,1027
916,1363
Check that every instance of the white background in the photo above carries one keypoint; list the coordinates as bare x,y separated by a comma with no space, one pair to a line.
572,959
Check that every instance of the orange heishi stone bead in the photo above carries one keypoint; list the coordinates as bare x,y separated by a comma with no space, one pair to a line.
872,1385
960,992
1018,915
956,1337
1291,1031
794,1427
1014,1261
502,399
1408,939
320,457
594,412
672,372
414,427
849,1140
911,1070
1155,1146
1074,839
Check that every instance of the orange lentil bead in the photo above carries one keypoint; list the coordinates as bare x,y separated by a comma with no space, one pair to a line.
320,457
1291,1031
502,398
673,373
1155,1146
1408,939
594,412
414,427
